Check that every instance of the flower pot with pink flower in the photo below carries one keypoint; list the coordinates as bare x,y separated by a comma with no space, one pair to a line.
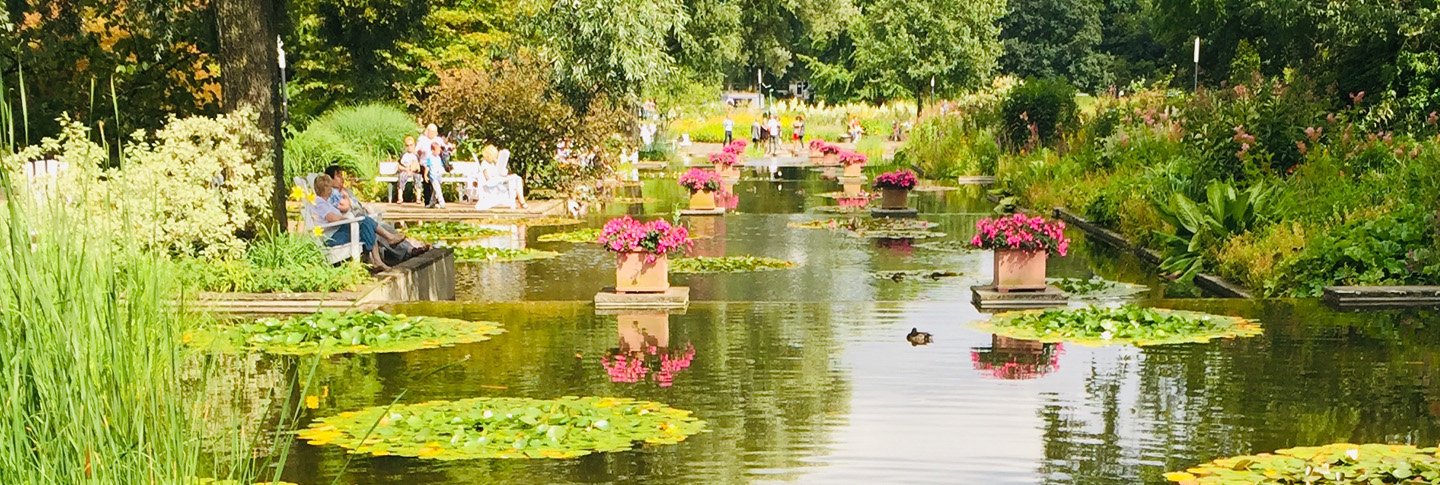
854,162
829,154
895,188
815,150
702,184
1021,244
642,250
726,162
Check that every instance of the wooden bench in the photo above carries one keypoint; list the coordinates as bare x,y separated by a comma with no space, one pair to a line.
460,173
333,254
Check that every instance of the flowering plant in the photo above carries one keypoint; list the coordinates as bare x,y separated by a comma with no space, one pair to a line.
724,158
817,145
655,238
1020,231
898,179
697,180
737,146
828,149
853,158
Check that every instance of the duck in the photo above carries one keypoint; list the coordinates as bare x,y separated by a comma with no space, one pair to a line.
917,337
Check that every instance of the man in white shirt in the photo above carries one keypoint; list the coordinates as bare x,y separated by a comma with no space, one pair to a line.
773,126
729,129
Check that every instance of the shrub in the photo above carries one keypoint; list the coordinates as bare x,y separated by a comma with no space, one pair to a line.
941,147
1047,105
278,263
1391,249
191,187
356,137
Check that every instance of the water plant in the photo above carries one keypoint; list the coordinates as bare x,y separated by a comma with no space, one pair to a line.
1021,232
481,254
1225,213
1332,463
1125,324
450,231
654,238
897,180
1096,288
332,332
697,179
577,236
728,264
505,427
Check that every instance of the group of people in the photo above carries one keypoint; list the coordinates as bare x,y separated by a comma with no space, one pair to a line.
427,160
382,245
768,134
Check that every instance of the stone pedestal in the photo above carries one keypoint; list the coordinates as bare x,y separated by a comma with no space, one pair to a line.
675,297
986,297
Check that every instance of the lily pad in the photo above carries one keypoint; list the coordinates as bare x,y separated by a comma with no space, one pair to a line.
1097,288
1123,325
505,427
582,236
875,228
1333,463
727,264
630,200
843,195
479,254
329,332
915,275
840,209
450,231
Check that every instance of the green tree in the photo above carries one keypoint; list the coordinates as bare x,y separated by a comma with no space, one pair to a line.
613,49
901,45
1048,38
1127,37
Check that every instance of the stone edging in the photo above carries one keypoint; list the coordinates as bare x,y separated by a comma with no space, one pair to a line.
427,277
1214,284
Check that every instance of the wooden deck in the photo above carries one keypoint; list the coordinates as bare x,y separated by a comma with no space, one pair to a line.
460,211
1382,296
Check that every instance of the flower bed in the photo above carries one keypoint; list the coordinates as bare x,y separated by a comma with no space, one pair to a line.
578,236
728,264
654,238
328,333
479,254
450,231
1333,463
502,427
1021,232
897,180
697,180
1126,324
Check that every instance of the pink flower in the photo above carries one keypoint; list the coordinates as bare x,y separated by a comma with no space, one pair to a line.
697,179
899,179
1019,231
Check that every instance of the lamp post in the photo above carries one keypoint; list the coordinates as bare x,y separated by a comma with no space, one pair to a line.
1195,86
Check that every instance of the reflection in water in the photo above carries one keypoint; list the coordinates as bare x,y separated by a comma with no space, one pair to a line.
708,234
644,350
1016,359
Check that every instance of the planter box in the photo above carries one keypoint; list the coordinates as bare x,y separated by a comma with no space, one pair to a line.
702,200
1022,270
632,275
856,170
894,198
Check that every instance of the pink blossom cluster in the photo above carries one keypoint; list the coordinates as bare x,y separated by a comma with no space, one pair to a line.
724,158
697,179
632,367
1020,231
848,157
898,179
861,200
655,238
737,147
817,145
829,149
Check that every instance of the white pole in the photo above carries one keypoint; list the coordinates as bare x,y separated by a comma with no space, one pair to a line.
1196,85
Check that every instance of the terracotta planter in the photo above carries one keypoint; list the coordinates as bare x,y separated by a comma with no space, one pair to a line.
1017,269
830,159
702,200
855,170
851,190
894,198
633,275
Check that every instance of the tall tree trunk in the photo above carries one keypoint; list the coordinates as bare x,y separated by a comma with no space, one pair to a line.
250,76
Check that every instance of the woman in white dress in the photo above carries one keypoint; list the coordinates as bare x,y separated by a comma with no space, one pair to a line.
495,186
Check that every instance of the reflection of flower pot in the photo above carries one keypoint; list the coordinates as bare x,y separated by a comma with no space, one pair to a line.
854,170
851,190
729,172
1019,269
702,200
642,330
708,232
634,275
1016,344
830,159
1009,358
894,198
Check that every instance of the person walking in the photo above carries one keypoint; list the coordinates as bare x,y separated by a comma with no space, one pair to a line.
773,128
729,129
797,132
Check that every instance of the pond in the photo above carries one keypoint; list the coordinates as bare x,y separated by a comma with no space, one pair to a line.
805,374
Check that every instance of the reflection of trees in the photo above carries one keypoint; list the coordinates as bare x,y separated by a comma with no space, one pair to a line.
1315,377
761,378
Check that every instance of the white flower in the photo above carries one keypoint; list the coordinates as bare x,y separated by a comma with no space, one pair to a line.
1353,453
1107,335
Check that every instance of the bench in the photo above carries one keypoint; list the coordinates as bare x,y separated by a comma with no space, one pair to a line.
460,173
41,175
333,254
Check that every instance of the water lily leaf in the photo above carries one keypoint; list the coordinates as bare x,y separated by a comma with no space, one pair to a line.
1333,463
1124,325
727,264
349,332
